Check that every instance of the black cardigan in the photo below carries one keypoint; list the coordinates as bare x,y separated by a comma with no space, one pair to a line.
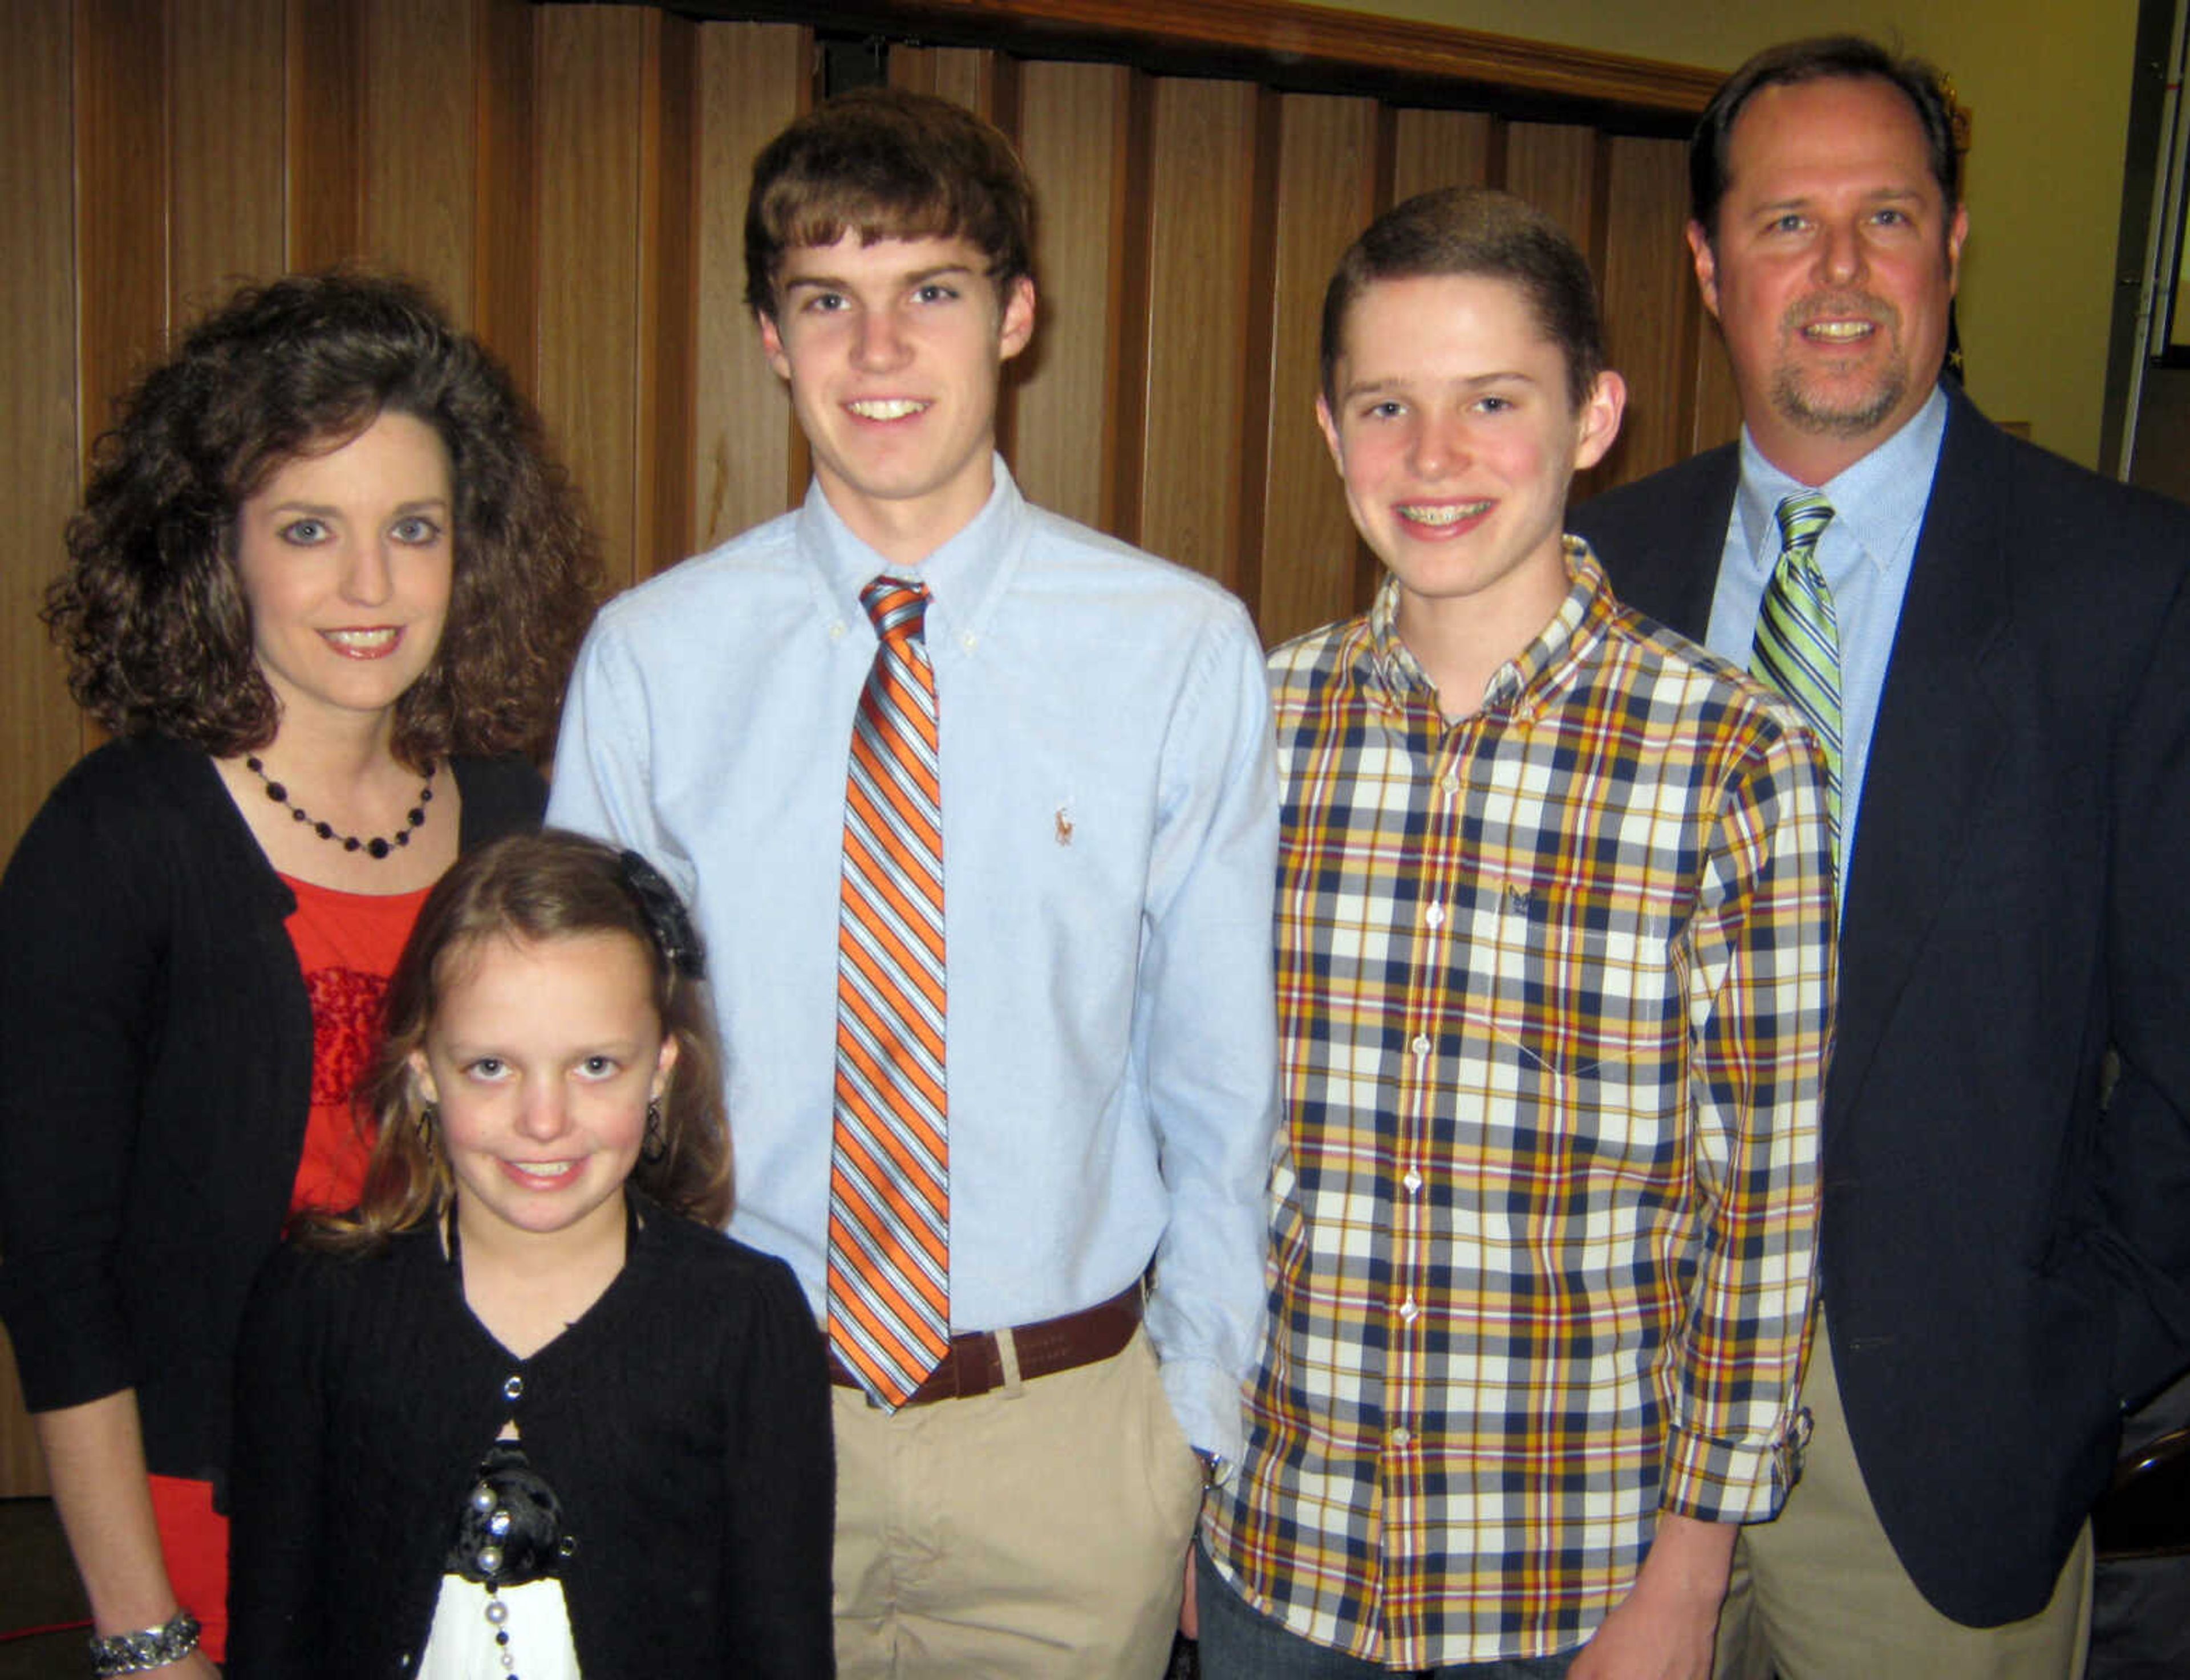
158,1037
683,1422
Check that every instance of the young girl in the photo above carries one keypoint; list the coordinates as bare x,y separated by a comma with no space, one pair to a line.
524,1413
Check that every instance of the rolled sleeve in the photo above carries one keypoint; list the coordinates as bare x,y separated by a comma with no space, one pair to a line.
1762,1010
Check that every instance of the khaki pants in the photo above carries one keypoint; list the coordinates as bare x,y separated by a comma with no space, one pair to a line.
1039,1530
1820,1593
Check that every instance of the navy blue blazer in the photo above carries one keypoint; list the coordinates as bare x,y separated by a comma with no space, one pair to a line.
2006,1259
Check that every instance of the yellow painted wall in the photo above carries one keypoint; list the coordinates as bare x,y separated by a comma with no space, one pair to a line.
2048,82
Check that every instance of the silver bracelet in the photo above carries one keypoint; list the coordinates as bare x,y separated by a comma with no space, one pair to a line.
141,1653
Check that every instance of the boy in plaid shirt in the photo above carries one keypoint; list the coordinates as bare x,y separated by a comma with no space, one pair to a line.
1555,963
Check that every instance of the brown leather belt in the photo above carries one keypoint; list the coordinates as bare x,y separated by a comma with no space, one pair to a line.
975,1365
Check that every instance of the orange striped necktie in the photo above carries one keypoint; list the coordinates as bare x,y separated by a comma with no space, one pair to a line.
889,1178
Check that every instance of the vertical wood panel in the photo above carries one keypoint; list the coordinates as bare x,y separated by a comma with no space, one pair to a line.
1649,329
420,146
591,64
1553,167
1258,327
506,209
667,338
965,75
227,84
1717,405
1326,191
1439,148
327,130
1202,171
754,78
121,198
38,432
1073,127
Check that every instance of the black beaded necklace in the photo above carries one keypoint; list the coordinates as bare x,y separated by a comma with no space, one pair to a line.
377,846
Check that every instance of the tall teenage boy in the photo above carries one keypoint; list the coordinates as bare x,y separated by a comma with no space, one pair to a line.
977,810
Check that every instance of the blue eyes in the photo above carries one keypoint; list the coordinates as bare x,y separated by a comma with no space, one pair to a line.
836,303
1393,409
1792,223
490,1068
413,531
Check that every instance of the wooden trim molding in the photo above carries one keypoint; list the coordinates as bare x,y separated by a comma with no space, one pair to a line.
1282,33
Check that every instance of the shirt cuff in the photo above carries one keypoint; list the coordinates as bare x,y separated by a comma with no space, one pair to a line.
1207,1403
1743,1481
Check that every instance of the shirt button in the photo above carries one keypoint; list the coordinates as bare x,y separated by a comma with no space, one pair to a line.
1408,1311
1451,783
1434,915
968,640
836,631
1401,1436
512,1386
1421,1046
1413,1181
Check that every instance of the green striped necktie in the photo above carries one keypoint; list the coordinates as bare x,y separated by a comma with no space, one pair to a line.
1798,638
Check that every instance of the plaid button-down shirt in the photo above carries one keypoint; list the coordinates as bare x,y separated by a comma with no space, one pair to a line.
1554,989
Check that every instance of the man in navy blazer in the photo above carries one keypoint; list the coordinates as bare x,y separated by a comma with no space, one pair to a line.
2006,1246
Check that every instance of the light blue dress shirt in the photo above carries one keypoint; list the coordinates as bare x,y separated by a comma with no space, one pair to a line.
1866,553
1109,823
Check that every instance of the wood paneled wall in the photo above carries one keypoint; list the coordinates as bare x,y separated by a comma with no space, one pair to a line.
571,179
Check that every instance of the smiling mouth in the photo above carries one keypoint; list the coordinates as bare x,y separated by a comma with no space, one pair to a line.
365,643
886,408
1442,513
1838,332
543,1169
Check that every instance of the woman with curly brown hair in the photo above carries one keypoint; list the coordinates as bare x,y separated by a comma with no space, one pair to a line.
324,590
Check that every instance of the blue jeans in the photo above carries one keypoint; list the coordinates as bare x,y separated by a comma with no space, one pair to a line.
1239,1642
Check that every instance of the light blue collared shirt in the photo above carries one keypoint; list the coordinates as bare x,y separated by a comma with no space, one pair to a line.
1866,553
1110,845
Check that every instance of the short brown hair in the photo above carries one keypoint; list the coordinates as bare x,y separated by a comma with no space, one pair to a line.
537,888
1475,230
151,612
1846,58
888,164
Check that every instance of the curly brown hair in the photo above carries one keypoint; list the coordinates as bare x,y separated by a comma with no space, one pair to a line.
537,888
151,612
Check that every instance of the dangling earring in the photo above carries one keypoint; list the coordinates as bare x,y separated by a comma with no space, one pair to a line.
429,1116
656,1144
